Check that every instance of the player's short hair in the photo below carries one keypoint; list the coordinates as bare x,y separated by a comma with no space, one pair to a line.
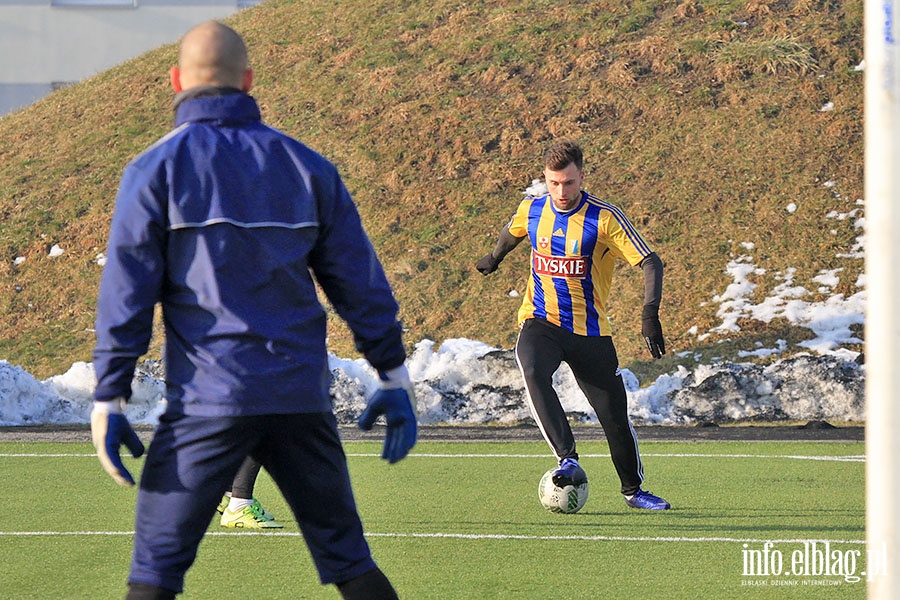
562,154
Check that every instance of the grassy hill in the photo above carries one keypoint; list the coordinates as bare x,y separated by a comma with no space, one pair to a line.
700,118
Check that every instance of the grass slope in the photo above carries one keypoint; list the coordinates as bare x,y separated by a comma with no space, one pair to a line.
701,118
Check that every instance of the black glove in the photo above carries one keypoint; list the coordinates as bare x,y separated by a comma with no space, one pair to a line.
651,329
488,264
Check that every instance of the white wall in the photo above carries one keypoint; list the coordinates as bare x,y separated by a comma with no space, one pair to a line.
42,44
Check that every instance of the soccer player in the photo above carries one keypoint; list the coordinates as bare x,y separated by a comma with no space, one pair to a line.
226,222
575,239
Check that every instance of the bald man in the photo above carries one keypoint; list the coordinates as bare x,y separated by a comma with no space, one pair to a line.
225,222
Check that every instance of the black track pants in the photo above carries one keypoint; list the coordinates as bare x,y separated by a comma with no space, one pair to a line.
540,349
245,480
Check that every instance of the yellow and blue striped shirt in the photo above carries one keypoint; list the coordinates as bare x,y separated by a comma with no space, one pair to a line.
572,260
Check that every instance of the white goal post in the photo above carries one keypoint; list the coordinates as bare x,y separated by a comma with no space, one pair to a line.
882,196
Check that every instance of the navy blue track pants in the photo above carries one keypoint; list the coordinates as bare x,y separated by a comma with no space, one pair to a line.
192,461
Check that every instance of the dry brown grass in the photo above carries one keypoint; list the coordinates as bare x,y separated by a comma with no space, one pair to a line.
437,114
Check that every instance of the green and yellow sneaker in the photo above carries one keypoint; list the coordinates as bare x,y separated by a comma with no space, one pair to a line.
223,504
265,514
252,516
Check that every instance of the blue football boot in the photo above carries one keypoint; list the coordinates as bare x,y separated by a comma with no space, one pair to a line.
647,501
569,473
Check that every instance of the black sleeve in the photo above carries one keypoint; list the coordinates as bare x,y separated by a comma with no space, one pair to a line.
505,244
653,276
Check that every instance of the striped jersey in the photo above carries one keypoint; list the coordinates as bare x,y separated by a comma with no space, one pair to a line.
572,260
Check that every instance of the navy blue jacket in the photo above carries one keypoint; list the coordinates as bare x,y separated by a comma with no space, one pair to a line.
226,222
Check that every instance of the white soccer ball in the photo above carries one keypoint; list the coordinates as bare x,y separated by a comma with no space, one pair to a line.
569,499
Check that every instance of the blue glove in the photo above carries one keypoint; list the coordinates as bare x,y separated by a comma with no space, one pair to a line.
109,430
395,401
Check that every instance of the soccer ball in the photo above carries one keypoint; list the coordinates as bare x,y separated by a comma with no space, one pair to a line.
569,499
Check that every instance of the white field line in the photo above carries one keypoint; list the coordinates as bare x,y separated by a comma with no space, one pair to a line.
847,458
471,536
468,536
843,458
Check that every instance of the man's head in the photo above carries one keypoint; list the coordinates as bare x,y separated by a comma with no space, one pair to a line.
564,174
212,54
